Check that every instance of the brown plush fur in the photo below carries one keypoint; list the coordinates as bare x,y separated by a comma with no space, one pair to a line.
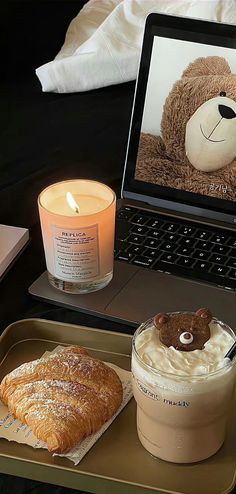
162,160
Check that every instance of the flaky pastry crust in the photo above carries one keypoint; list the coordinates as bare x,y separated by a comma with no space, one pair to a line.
64,397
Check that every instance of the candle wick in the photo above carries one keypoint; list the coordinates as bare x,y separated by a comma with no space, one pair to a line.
77,210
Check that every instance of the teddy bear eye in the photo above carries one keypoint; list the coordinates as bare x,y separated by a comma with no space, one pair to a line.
222,93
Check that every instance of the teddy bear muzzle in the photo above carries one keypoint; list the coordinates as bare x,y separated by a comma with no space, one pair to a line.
186,338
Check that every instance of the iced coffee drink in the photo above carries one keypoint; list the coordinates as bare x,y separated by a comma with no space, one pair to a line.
182,384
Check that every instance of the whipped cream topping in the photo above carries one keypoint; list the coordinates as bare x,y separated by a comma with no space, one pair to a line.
197,362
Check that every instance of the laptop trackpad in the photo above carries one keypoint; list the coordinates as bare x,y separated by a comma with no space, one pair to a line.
149,292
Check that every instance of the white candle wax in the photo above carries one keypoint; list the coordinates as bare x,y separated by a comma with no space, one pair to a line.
78,243
87,205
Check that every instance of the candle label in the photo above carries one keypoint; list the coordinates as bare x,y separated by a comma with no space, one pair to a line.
76,253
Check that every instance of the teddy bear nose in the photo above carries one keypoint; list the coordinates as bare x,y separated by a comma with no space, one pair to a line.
186,338
226,111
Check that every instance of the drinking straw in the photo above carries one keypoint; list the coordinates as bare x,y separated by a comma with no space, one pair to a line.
232,352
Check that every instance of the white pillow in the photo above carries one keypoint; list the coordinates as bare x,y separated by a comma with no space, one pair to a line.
103,42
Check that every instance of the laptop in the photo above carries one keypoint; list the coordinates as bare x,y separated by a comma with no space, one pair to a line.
175,243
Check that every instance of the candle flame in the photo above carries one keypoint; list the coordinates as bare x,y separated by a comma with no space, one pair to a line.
72,203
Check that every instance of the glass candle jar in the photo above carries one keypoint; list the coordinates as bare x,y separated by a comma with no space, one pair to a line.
78,222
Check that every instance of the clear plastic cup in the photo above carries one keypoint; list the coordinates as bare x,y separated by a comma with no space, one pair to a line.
181,419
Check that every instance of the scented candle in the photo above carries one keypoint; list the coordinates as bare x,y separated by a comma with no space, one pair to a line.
78,221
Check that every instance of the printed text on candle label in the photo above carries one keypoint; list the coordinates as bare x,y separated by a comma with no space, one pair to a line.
76,253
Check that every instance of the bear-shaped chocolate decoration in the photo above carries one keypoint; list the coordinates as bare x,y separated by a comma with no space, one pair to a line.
184,331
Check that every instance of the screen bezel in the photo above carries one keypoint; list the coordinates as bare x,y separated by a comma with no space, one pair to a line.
206,32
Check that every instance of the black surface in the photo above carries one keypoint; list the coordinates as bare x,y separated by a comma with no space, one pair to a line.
10,484
46,138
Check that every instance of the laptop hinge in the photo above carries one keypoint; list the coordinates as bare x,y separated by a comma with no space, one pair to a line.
182,211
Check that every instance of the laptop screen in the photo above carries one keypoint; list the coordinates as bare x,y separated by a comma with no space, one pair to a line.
183,136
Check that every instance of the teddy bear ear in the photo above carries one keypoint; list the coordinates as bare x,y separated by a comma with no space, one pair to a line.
161,319
204,314
204,66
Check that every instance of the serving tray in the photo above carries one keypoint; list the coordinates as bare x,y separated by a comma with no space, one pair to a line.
117,463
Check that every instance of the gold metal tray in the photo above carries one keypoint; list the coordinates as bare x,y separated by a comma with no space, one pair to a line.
117,463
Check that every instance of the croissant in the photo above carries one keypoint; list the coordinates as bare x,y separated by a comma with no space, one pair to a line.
62,397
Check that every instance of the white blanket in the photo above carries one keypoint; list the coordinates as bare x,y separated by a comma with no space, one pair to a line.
103,42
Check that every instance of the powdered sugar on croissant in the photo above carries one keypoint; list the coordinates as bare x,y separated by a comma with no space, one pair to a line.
63,397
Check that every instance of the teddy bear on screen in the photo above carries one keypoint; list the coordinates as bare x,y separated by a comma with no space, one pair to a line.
197,150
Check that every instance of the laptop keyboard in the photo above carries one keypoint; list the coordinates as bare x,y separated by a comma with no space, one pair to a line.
152,241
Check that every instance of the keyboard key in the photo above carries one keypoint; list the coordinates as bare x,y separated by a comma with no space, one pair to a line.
139,230
232,274
219,239
188,231
187,262
170,227
231,262
172,258
187,241
203,234
123,229
169,246
233,253
152,242
121,245
184,251
203,255
154,223
126,213
135,249
221,249
151,253
218,259
139,219
143,261
171,237
220,270
135,239
203,266
232,242
123,256
203,245
154,233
